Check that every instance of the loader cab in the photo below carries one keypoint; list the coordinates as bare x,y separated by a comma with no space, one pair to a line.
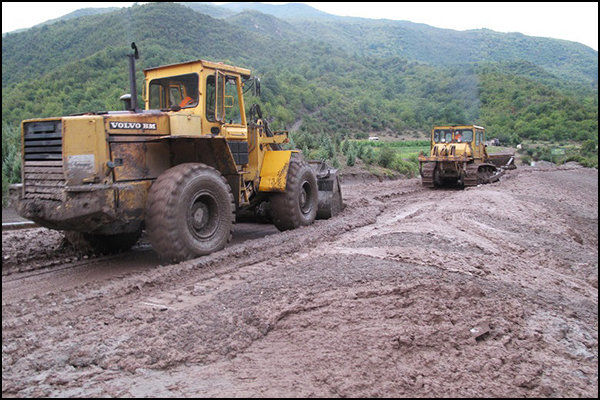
205,98
173,92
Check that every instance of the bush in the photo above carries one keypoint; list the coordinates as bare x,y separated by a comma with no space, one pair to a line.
407,168
350,158
588,148
335,163
11,158
368,155
588,162
386,157
526,160
345,146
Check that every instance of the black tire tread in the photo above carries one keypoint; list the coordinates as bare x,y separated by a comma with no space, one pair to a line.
161,225
283,205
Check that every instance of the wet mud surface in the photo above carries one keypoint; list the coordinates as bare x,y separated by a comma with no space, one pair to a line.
488,291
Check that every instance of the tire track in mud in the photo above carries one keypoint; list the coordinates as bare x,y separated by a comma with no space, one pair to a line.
292,314
110,294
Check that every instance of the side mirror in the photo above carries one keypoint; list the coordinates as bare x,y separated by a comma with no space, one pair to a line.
256,86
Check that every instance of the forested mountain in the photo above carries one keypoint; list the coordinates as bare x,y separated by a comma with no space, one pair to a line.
423,42
323,75
82,12
289,10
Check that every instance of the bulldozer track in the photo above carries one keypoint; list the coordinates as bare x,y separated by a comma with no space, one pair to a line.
427,171
471,177
476,174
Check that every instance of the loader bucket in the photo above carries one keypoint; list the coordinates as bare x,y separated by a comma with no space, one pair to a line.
330,193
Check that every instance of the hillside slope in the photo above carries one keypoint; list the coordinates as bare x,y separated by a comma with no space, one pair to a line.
338,78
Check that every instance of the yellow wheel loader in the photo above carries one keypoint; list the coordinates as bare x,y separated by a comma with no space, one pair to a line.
458,156
183,167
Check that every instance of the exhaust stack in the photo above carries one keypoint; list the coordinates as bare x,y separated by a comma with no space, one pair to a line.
133,93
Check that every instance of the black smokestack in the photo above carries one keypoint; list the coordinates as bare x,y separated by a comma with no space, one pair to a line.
132,58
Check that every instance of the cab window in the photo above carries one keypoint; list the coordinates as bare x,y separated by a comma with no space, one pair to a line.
175,95
214,97
231,101
442,136
481,136
180,90
210,98
226,100
463,135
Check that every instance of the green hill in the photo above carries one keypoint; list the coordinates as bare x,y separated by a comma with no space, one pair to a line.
82,12
423,42
337,77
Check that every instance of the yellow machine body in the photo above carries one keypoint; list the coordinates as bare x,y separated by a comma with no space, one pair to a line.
91,172
458,155
453,143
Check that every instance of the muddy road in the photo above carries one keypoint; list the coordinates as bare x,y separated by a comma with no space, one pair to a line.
488,291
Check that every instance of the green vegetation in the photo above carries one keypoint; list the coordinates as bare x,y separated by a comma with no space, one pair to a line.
11,158
585,153
332,81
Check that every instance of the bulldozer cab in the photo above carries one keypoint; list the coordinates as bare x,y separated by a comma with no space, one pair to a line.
473,135
458,154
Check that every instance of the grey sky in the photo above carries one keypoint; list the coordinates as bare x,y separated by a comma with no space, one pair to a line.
577,22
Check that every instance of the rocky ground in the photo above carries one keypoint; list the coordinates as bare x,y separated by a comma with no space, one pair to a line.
488,291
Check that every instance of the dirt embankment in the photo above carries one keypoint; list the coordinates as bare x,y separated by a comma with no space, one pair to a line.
490,291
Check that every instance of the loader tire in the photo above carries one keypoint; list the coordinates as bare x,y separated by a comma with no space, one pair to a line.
298,205
94,243
190,212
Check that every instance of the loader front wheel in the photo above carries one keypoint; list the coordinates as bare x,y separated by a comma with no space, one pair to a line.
298,205
190,212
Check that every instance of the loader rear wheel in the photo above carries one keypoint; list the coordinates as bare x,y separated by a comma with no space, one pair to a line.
298,205
89,242
190,212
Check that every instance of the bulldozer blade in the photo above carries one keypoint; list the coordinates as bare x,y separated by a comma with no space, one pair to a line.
503,160
330,192
510,164
496,177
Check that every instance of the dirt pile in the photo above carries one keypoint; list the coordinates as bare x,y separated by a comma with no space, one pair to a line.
490,291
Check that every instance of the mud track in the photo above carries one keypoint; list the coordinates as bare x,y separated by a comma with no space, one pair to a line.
488,291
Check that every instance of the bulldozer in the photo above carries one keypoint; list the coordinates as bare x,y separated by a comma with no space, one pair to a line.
181,168
458,156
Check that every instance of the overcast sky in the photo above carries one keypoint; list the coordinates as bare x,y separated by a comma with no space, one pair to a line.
577,22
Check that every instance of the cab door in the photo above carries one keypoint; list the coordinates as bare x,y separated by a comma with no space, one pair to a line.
479,142
234,116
